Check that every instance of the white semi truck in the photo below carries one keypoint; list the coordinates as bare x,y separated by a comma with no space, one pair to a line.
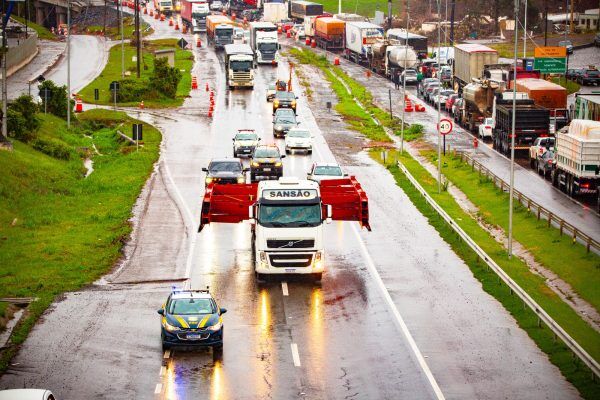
287,218
239,64
264,42
360,37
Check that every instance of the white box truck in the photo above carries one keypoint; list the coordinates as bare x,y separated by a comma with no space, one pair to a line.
360,37
275,12
577,158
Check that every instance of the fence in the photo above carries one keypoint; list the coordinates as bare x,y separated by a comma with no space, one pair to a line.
514,288
532,206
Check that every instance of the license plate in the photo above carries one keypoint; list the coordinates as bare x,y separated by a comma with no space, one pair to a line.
194,336
267,169
290,270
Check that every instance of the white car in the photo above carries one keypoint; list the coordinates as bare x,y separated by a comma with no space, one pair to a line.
26,394
216,6
486,128
238,33
325,171
298,139
442,96
244,142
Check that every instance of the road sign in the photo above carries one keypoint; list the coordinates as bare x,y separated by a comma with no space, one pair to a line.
550,52
182,43
445,126
114,85
551,65
136,132
96,94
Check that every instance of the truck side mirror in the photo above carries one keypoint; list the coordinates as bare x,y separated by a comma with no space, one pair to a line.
205,169
161,311
251,214
278,46
329,213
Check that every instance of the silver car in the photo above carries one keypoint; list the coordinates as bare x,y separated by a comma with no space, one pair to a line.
325,171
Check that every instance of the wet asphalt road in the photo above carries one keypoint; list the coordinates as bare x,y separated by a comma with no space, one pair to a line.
284,339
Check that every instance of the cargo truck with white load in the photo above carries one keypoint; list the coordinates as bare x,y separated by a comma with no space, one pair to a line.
274,12
577,159
194,13
239,64
264,42
287,218
299,9
360,37
469,63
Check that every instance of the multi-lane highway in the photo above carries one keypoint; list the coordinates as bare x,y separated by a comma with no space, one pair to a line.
397,314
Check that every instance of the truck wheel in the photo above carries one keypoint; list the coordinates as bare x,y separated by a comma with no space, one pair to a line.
217,352
252,177
531,162
317,276
263,278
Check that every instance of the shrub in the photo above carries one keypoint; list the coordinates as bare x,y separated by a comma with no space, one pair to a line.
165,78
132,90
25,105
56,100
53,148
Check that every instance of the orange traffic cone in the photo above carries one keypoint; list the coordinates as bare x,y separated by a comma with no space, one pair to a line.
184,28
145,10
198,43
162,17
233,17
151,13
142,105
176,26
336,61
313,44
408,106
207,88
171,21
194,83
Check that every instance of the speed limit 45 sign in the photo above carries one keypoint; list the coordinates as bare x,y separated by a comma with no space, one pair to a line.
445,126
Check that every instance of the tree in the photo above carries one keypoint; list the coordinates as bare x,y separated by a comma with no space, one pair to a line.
56,100
22,122
165,78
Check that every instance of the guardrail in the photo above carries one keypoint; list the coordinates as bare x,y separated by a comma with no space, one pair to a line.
591,363
532,206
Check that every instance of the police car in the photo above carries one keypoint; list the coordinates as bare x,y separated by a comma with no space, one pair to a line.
191,318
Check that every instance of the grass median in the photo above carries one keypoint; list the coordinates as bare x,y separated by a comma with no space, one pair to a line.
114,32
184,60
61,231
43,32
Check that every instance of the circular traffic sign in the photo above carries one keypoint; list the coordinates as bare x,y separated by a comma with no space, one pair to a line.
445,126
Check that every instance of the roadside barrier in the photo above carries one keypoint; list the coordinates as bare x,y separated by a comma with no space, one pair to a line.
514,288
171,21
78,105
534,207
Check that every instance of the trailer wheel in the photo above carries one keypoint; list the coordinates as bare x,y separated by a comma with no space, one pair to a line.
317,276
554,178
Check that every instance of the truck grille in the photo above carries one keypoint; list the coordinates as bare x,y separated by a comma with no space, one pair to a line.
295,260
291,243
241,76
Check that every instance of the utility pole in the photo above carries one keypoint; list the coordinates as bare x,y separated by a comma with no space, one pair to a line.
545,23
120,15
339,6
452,8
439,109
104,20
389,14
524,32
68,63
137,35
403,103
4,142
512,138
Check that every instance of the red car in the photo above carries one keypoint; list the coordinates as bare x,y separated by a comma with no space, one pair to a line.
451,99
286,25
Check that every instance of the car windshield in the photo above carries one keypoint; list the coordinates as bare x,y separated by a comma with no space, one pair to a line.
246,136
266,152
592,72
221,166
191,306
488,121
299,134
224,32
289,215
288,112
267,46
447,92
331,170
285,119
564,43
410,72
285,95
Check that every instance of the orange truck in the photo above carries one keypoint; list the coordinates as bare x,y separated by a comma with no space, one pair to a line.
219,30
548,95
329,33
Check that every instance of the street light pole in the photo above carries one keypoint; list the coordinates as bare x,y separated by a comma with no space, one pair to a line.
122,41
68,63
439,110
403,103
512,138
525,32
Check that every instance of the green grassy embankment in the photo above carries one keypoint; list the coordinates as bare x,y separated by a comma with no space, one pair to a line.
362,7
114,32
571,86
42,32
112,72
61,231
533,284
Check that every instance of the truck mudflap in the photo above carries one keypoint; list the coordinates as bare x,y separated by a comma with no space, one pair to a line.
229,203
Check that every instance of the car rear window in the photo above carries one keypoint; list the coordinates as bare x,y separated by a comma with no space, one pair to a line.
300,134
592,72
328,170
246,136
220,166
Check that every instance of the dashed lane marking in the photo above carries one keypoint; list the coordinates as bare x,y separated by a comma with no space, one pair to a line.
158,388
167,354
284,288
163,371
295,354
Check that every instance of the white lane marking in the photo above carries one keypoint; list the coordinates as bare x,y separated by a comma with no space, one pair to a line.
163,371
167,354
398,318
295,354
388,299
284,288
158,388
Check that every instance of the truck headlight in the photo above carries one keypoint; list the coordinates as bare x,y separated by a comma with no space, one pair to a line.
278,127
318,262
241,179
262,256
215,327
278,164
254,164
169,327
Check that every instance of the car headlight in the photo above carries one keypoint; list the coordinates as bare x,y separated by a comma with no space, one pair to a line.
241,179
293,103
278,164
254,164
216,326
276,103
169,327
278,127
208,180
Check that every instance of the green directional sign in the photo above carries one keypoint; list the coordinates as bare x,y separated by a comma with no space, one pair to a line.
551,65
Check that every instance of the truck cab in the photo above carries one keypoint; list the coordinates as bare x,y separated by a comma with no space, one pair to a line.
287,229
199,13
264,42
164,6
239,63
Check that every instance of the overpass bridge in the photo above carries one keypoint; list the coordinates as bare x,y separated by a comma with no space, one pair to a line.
52,13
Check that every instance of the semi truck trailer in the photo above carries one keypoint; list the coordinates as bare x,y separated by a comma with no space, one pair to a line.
469,63
299,9
532,121
417,42
329,33
360,37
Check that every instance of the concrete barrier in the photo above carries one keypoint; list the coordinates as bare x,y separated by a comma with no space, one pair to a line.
20,55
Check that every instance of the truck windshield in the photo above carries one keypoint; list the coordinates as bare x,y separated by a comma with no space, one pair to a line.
289,215
224,32
241,65
270,47
165,3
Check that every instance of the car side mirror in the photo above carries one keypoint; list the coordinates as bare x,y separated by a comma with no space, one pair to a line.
205,169
329,213
283,156
222,310
233,139
345,174
296,97
161,311
245,169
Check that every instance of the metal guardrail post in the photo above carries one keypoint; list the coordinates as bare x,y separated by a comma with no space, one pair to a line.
542,315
